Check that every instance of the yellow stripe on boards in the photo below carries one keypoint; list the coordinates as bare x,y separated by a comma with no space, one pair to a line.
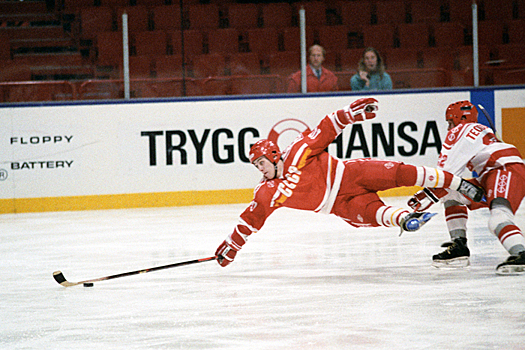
123,201
147,200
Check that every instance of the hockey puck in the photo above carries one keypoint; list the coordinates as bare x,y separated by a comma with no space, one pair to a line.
88,284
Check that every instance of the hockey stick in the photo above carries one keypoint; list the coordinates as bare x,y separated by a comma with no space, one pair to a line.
487,116
59,276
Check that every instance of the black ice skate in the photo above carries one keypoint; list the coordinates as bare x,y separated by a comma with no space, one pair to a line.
514,265
414,221
455,256
470,190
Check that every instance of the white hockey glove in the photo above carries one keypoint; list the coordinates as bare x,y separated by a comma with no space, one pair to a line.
361,109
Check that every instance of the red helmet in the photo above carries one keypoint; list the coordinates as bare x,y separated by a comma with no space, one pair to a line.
462,112
265,148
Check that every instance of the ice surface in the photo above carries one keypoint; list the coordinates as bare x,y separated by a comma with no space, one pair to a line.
305,281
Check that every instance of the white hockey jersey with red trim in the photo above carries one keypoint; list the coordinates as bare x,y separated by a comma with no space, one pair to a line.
310,180
475,147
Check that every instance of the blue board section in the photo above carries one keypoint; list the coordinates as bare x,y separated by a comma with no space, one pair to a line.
484,97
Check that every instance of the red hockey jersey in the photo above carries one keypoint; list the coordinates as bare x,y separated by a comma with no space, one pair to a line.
310,181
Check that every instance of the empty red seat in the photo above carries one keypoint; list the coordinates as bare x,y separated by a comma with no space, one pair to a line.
150,43
203,16
223,41
515,30
263,40
424,11
140,67
463,57
209,65
114,3
490,33
343,80
109,48
511,54
150,3
76,5
94,20
461,78
277,15
418,78
41,91
513,76
137,18
413,35
193,43
356,14
168,66
5,52
256,84
166,17
285,63
333,38
497,9
243,15
435,57
460,11
14,71
448,34
388,11
214,86
402,59
350,58
380,36
101,89
246,63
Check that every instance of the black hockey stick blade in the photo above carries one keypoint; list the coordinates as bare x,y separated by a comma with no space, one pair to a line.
489,120
59,276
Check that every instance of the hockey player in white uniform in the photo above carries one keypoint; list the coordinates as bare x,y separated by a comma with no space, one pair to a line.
501,173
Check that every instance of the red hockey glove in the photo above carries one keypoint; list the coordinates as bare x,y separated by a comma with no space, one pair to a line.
228,249
423,200
361,109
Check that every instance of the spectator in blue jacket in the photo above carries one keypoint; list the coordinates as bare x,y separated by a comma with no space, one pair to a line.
371,73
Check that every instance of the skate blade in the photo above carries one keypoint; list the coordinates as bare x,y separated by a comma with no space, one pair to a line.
456,263
511,270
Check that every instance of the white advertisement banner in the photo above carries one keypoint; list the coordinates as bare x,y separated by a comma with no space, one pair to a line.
148,147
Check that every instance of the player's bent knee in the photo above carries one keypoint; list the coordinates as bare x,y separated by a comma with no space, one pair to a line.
500,216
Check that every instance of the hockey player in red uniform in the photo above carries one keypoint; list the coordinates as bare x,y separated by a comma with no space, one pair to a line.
501,173
306,177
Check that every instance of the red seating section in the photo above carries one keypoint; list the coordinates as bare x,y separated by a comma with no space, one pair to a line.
223,41
390,11
94,20
243,15
244,64
150,43
237,47
277,15
166,17
203,16
263,40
